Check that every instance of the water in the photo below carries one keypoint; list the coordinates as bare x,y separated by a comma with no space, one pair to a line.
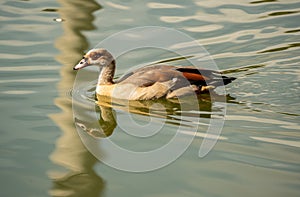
255,41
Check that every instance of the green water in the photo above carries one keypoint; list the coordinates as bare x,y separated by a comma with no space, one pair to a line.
255,41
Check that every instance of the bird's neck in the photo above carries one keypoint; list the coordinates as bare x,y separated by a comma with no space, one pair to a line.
107,74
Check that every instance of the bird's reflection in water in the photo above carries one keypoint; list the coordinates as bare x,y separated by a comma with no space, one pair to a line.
106,121
170,110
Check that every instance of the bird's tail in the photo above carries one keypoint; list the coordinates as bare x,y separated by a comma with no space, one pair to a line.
221,81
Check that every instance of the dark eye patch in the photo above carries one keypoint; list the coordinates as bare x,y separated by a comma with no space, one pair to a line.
95,56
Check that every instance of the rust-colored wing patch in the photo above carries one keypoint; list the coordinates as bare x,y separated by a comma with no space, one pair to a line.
194,76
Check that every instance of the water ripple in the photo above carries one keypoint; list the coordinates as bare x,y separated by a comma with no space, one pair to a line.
281,13
28,68
281,48
278,141
263,1
155,5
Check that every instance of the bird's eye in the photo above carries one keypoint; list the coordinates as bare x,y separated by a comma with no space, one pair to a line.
96,56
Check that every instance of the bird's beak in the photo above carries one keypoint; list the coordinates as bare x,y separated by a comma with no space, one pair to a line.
83,63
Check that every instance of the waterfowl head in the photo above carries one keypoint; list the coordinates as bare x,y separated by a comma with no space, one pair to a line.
98,57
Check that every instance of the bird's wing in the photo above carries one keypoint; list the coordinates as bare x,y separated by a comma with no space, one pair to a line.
147,76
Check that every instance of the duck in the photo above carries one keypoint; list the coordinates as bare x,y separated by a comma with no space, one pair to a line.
150,82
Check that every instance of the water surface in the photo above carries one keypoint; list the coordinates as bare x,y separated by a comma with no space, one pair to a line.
255,41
